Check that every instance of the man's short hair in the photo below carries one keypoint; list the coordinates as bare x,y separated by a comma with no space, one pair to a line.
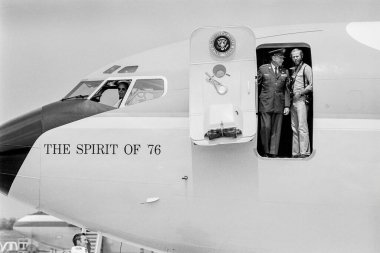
123,82
77,237
297,50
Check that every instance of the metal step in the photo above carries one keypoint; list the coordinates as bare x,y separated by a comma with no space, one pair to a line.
96,241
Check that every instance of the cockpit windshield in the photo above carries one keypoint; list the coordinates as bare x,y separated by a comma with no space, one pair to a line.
83,89
119,92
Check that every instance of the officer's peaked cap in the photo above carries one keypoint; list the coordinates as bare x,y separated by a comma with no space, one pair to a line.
278,52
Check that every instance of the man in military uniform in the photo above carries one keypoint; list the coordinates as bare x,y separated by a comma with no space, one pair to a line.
274,101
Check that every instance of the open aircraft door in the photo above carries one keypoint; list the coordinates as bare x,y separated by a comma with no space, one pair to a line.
222,85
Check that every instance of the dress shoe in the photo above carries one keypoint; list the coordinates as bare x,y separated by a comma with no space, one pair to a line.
304,156
296,156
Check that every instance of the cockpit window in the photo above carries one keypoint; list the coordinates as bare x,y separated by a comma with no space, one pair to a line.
112,92
120,92
84,89
145,89
128,69
111,69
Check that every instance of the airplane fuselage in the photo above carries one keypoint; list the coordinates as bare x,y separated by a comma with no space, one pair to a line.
135,175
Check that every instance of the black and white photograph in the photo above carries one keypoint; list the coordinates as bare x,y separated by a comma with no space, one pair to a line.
176,126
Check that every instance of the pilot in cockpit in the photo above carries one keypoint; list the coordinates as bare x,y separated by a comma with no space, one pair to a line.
122,88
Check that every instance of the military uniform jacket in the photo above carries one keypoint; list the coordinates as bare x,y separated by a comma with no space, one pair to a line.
274,94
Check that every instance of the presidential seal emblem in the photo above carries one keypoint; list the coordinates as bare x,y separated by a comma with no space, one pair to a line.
222,44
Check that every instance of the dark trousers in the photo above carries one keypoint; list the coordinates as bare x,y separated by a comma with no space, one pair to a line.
270,131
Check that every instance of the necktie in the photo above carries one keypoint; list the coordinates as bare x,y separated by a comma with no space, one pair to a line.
276,71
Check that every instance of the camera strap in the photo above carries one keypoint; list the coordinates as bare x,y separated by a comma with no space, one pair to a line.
294,75
298,69
304,79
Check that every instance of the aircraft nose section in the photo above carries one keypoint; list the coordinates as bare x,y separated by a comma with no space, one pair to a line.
16,139
18,136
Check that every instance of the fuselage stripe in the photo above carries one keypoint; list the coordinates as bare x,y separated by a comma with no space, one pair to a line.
35,224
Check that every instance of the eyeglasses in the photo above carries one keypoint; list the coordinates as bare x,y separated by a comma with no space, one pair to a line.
122,88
